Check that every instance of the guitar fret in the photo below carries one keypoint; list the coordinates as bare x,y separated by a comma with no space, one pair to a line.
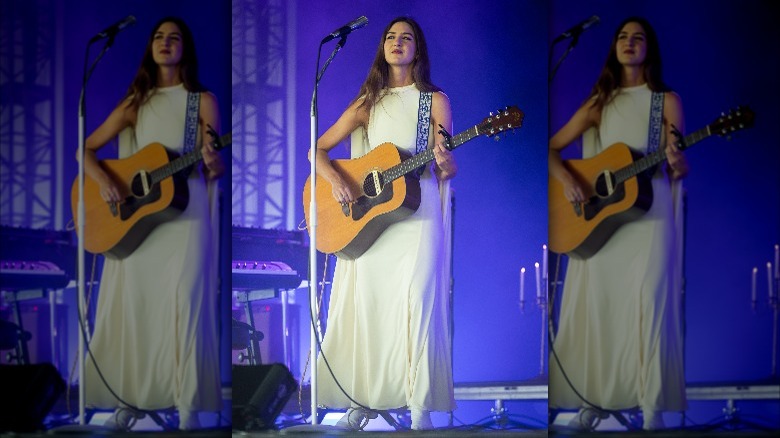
656,157
185,161
425,157
428,155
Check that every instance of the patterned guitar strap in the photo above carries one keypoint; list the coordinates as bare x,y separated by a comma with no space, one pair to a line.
191,127
655,127
423,126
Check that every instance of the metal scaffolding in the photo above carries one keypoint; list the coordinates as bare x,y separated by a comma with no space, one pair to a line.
30,161
261,159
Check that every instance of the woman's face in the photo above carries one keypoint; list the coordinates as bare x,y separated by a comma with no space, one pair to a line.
167,44
400,44
631,46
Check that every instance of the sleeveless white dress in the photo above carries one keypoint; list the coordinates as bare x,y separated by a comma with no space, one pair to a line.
387,338
619,337
155,337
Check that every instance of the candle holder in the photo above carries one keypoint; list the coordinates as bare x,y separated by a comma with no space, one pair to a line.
541,303
774,304
541,288
773,301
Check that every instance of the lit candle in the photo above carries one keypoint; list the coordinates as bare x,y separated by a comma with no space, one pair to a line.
777,262
522,285
538,282
753,288
769,279
544,261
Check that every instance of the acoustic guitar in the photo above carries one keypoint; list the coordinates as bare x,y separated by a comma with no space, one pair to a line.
388,190
618,190
153,188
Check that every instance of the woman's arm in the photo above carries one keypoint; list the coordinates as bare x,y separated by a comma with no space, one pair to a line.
121,117
213,165
677,164
348,122
585,117
445,166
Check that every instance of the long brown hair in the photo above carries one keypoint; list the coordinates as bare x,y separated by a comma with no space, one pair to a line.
609,79
379,73
146,78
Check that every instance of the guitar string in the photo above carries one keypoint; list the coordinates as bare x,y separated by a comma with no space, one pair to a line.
184,161
656,157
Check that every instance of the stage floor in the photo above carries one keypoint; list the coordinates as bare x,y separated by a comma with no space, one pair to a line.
290,423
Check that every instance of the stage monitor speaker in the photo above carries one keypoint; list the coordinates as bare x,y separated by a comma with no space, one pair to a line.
29,393
259,395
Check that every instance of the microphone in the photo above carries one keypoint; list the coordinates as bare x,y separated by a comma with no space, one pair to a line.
579,28
114,28
347,29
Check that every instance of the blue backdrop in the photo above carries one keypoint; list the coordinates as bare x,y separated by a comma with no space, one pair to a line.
716,55
484,56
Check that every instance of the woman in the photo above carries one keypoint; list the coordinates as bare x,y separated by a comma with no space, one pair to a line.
619,339
387,340
155,338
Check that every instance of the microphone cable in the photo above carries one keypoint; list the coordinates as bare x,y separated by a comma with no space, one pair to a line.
325,359
551,335
84,333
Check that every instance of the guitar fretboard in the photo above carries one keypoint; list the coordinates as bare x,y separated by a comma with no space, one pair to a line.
659,156
187,160
426,156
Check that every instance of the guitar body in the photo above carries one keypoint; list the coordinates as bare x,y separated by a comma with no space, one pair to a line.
387,189
350,235
581,230
116,232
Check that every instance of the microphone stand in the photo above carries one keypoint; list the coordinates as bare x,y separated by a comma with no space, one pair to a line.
313,228
575,38
82,306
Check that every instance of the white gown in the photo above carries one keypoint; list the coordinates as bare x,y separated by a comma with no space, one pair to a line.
619,338
155,337
387,337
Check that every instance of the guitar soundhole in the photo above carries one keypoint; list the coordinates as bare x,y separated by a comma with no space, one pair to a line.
142,184
605,184
373,183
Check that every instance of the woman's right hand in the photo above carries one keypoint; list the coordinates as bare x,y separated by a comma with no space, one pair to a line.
573,190
109,191
341,191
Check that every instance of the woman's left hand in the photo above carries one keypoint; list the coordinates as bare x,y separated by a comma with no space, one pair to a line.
677,163
445,167
212,161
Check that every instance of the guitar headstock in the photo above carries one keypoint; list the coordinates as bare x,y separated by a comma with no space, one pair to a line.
736,120
510,117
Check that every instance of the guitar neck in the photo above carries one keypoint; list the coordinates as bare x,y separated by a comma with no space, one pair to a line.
187,160
427,156
659,156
